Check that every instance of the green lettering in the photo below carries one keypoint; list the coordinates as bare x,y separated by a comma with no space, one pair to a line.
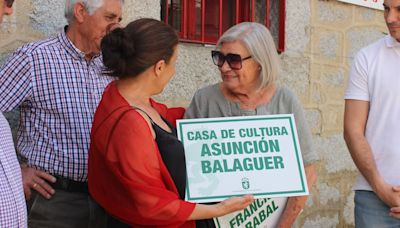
226,167
268,163
216,149
217,167
246,214
262,215
248,166
274,145
206,166
284,131
205,150
278,162
237,165
269,210
256,222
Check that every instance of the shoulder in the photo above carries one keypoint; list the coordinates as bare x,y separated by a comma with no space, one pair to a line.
372,49
39,46
285,95
210,91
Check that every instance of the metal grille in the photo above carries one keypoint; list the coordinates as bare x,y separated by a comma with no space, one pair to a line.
204,21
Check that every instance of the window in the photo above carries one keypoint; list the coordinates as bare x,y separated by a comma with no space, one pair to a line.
203,21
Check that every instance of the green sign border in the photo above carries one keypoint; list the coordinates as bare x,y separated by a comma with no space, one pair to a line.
236,119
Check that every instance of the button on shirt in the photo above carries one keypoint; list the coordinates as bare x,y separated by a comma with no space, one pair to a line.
57,91
12,201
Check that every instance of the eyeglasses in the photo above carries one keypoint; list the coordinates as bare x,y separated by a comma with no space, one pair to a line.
234,60
9,3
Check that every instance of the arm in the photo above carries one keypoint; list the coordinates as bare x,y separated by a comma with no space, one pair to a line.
15,88
202,211
355,119
296,204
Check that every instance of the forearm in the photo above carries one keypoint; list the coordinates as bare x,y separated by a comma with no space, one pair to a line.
364,160
296,204
202,211
293,208
355,121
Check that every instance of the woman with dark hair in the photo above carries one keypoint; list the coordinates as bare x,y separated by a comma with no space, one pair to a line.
136,163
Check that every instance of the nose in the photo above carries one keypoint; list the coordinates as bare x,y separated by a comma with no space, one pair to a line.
225,67
391,16
113,26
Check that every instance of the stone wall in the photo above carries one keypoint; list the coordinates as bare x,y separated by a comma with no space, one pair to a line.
321,39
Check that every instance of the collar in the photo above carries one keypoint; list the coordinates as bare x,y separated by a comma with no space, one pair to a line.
69,47
391,42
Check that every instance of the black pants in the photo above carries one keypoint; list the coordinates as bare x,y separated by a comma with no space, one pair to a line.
65,210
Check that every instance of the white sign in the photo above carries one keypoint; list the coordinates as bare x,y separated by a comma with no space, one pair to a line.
375,4
261,213
234,156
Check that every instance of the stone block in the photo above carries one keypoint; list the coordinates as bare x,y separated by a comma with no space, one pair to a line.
364,15
332,13
359,37
328,194
333,153
298,16
331,220
296,75
332,118
194,70
331,81
313,117
327,46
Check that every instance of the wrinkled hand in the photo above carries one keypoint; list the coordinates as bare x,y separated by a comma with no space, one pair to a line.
38,181
235,203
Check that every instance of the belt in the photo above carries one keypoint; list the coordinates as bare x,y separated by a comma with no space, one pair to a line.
69,185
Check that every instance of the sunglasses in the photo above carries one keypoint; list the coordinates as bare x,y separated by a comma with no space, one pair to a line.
9,3
234,60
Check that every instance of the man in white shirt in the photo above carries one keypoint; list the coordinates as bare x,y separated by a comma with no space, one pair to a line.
12,201
372,126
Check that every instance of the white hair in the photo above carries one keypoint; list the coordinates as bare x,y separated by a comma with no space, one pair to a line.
91,7
260,44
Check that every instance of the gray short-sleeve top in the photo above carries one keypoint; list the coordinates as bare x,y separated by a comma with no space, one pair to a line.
209,102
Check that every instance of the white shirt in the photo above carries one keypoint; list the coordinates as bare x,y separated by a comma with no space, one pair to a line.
375,77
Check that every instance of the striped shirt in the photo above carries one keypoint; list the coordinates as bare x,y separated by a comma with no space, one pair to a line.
57,91
12,201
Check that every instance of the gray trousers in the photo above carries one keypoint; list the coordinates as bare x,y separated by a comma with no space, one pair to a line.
65,210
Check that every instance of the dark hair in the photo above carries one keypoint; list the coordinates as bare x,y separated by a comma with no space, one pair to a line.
129,51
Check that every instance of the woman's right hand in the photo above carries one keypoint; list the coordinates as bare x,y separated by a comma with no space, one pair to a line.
203,211
234,204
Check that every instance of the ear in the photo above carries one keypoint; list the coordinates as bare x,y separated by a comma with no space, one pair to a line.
159,67
80,12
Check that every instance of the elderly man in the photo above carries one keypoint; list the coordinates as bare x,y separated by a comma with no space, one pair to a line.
57,84
372,126
12,202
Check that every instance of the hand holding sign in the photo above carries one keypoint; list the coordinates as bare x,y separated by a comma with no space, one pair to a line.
227,206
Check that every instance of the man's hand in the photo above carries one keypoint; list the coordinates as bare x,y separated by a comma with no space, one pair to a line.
37,180
388,194
395,212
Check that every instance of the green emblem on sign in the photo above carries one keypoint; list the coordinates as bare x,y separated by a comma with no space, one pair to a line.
245,183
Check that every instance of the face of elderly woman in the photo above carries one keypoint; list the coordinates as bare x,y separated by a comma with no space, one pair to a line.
239,80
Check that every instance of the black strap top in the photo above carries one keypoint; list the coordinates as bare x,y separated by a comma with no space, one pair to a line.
172,153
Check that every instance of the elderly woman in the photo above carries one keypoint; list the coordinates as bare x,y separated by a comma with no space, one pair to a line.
249,66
